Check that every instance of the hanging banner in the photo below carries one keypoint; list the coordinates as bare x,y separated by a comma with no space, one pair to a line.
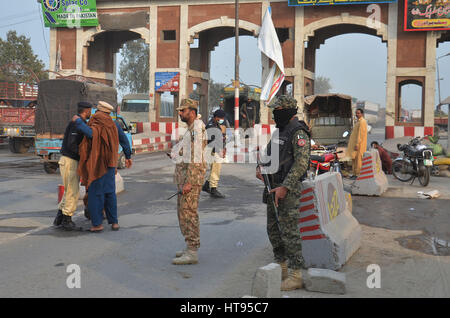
332,2
167,81
427,15
70,13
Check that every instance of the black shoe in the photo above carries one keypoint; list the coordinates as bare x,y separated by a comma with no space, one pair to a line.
67,223
206,187
216,194
58,219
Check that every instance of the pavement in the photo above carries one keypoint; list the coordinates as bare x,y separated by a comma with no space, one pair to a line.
402,234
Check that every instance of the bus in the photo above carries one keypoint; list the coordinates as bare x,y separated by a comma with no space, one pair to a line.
135,108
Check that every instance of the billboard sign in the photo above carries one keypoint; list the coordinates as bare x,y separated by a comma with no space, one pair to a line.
427,15
332,2
70,13
167,81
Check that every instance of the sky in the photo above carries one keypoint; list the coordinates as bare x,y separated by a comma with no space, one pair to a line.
355,63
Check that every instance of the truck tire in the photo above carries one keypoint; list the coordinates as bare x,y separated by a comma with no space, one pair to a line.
50,167
121,162
19,145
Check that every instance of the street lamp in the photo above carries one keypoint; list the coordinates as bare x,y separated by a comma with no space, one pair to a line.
439,92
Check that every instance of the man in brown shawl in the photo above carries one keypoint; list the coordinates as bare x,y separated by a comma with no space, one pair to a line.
98,161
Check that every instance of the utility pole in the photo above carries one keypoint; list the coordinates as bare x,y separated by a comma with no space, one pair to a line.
439,93
236,75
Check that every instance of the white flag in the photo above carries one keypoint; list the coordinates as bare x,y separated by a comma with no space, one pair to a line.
269,44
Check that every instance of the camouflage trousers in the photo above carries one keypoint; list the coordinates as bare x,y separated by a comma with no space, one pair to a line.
287,243
187,206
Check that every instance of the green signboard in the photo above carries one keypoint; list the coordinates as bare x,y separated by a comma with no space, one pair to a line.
70,13
331,2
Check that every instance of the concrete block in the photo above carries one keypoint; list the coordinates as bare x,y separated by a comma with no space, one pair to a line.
324,281
330,234
348,199
120,186
267,281
372,180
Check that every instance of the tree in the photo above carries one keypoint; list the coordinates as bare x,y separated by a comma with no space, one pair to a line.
134,68
17,50
215,90
322,85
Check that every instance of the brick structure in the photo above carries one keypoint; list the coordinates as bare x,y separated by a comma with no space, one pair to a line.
169,27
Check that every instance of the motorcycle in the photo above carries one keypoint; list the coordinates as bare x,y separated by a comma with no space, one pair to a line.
416,162
327,162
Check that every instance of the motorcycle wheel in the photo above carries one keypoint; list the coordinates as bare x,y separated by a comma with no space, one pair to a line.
399,169
423,175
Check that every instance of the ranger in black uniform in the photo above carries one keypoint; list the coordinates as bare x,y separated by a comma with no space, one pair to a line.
68,165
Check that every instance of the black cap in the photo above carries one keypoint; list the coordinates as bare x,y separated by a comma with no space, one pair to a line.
220,113
84,105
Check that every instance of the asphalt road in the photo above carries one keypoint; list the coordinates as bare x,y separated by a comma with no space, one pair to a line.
136,261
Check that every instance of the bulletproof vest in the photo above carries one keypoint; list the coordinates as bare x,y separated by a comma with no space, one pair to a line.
72,139
286,150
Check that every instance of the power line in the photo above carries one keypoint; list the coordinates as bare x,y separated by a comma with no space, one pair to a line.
43,33
17,15
20,22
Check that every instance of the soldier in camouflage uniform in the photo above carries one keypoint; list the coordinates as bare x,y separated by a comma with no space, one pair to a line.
190,172
286,183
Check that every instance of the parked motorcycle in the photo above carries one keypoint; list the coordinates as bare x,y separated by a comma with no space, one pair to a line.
326,162
416,162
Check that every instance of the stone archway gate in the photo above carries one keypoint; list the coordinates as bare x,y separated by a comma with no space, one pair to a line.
89,51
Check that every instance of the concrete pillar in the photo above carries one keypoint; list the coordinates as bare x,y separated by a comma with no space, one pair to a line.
152,62
299,52
391,64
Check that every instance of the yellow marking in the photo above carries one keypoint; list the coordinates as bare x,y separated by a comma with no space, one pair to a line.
333,206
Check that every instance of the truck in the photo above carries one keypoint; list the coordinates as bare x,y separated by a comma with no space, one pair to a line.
134,108
17,114
329,116
370,111
57,104
245,92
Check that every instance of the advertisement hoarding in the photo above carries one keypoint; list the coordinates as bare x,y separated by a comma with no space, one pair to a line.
427,15
70,13
333,2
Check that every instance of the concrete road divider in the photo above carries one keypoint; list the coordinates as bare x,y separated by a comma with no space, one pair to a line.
330,234
267,282
372,180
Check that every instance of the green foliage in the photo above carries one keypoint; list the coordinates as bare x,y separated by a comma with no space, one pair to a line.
134,68
16,49
322,85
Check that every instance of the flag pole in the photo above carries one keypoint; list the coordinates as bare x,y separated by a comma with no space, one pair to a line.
236,75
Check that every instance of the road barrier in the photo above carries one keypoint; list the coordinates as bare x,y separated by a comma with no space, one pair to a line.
372,180
330,234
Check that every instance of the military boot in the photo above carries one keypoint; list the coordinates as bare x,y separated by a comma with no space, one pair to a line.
216,194
294,281
206,187
58,218
180,253
67,223
189,257
284,270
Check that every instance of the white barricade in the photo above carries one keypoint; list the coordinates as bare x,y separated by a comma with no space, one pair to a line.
330,234
371,180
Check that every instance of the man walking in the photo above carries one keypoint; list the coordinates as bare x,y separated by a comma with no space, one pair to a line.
214,128
294,150
68,165
357,143
248,113
98,163
190,172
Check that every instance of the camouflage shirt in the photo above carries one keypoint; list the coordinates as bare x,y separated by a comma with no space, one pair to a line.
188,154
301,147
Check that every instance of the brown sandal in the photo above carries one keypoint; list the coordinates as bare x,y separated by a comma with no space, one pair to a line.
115,228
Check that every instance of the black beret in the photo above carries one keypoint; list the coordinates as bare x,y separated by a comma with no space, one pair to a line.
84,105
220,113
